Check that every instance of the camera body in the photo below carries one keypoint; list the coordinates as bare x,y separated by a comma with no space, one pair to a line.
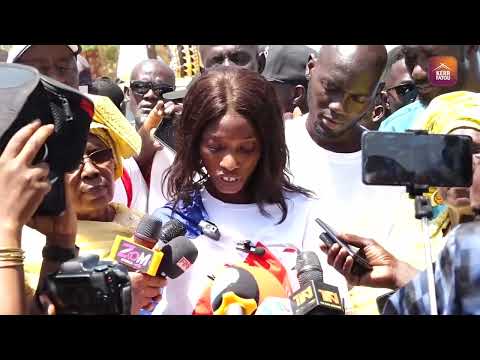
26,95
88,286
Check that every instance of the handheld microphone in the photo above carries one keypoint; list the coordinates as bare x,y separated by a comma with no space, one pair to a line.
148,231
239,289
169,259
172,229
314,296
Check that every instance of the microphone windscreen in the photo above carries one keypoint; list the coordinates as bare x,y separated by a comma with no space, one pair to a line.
172,229
308,268
178,255
237,281
149,229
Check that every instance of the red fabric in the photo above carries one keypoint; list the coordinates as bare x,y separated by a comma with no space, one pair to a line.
272,264
204,305
87,106
127,184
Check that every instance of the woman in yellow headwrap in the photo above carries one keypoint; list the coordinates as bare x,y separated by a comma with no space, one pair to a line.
456,113
90,190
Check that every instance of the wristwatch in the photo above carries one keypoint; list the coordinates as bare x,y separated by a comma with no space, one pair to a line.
57,253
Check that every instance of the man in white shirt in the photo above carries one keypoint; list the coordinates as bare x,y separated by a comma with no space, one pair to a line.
325,145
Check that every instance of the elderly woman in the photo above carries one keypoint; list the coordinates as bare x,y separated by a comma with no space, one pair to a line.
90,191
456,113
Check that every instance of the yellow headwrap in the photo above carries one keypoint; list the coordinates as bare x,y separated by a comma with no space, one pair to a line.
458,109
115,131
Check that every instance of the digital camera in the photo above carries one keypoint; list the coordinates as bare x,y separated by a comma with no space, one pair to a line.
88,286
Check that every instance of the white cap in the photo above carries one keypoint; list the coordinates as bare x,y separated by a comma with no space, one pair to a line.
16,51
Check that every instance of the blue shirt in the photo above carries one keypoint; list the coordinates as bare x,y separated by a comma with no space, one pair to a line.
457,279
403,119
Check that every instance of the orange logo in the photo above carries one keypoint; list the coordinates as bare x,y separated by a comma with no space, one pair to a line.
442,71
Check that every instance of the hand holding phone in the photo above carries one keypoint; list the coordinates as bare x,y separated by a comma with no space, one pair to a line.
361,265
165,132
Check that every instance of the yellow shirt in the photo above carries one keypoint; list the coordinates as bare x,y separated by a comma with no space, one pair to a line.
93,237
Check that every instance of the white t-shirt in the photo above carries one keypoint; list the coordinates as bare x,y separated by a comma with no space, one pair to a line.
345,202
139,187
238,222
161,161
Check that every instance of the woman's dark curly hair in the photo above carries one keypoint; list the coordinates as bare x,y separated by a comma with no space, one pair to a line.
218,91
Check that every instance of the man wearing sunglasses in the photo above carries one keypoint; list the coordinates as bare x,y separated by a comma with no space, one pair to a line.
149,81
417,63
399,88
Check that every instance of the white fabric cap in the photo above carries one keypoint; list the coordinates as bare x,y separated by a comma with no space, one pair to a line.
17,51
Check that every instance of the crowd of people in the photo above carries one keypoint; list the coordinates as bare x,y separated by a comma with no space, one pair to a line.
267,139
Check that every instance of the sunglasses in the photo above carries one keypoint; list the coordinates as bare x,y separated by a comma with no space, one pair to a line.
142,87
99,157
405,89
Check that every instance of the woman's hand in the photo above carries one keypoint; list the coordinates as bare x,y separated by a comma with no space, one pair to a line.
22,184
60,230
387,272
146,291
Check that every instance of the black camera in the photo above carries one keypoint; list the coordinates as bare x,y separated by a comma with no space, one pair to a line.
88,286
25,96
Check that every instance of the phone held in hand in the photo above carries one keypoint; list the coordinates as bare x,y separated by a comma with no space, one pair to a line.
165,132
360,265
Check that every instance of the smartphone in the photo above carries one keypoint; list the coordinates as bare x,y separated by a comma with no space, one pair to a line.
360,265
165,132
416,159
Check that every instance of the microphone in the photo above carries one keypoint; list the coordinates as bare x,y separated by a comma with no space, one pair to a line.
314,296
148,231
170,259
172,229
239,289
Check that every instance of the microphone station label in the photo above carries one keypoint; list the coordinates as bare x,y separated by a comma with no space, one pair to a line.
135,257
184,264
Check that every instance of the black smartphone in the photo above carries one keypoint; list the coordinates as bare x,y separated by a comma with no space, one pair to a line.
165,132
416,159
360,265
